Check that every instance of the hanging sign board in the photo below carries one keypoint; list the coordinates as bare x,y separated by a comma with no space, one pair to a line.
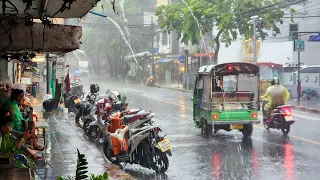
26,80
60,71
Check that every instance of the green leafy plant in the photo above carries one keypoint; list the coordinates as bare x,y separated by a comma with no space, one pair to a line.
81,172
9,146
105,176
81,167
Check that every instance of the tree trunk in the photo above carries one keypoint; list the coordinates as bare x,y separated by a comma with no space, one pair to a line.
111,69
217,48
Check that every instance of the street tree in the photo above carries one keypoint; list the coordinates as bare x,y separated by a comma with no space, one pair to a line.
229,17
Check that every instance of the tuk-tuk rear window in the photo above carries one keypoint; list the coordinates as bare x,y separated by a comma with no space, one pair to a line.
230,83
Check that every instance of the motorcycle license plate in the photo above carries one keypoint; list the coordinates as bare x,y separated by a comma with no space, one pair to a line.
289,118
236,126
165,145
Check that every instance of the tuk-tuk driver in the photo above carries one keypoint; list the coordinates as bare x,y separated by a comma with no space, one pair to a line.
276,94
216,88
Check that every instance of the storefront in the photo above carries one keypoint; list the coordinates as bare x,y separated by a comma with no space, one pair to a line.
169,70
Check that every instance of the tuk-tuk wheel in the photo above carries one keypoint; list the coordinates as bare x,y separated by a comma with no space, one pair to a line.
247,130
206,129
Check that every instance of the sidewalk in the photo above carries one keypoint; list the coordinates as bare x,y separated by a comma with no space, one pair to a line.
306,105
63,138
176,87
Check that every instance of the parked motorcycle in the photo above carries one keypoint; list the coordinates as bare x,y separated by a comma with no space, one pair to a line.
93,95
84,108
77,89
69,101
103,112
141,145
94,128
280,118
133,117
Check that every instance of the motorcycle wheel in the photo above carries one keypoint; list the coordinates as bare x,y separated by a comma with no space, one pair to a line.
108,153
77,118
94,133
265,125
285,128
161,162
86,126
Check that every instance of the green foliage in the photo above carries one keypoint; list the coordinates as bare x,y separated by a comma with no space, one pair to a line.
81,167
105,176
9,146
81,172
229,17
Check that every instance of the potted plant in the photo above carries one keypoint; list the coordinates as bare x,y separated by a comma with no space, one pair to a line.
12,157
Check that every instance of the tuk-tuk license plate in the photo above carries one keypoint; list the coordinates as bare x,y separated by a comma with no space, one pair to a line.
289,118
165,145
236,126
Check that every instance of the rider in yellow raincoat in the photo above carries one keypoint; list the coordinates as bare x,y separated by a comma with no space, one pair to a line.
276,95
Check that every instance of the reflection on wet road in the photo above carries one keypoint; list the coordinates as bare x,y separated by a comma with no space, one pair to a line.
225,155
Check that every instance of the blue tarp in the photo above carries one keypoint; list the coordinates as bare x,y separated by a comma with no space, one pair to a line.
181,58
169,59
315,38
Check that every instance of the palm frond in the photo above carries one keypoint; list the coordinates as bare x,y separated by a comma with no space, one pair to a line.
81,172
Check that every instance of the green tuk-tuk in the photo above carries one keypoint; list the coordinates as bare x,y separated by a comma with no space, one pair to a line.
226,97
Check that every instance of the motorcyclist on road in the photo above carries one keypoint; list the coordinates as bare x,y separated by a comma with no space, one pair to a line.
150,81
276,94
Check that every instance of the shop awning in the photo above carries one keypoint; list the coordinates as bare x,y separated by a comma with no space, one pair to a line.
203,54
164,60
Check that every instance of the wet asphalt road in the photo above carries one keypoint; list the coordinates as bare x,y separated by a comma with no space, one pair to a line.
225,155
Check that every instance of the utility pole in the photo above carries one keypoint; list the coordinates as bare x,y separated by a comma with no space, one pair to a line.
186,79
253,21
152,48
48,74
254,42
299,82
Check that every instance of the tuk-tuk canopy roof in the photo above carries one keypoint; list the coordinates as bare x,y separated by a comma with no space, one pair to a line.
226,69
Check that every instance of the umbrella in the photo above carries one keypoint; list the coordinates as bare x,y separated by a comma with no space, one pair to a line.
36,70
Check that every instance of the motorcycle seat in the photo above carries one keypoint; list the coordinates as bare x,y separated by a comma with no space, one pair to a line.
128,117
134,111
133,131
284,106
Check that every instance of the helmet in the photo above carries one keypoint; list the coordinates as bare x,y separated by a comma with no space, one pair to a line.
114,96
94,88
274,81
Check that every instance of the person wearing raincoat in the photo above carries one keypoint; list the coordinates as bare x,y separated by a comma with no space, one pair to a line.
276,95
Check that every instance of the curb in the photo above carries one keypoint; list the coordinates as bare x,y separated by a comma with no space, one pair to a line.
302,108
114,172
175,89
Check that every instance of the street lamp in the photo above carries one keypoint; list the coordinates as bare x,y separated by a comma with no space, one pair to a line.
253,21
